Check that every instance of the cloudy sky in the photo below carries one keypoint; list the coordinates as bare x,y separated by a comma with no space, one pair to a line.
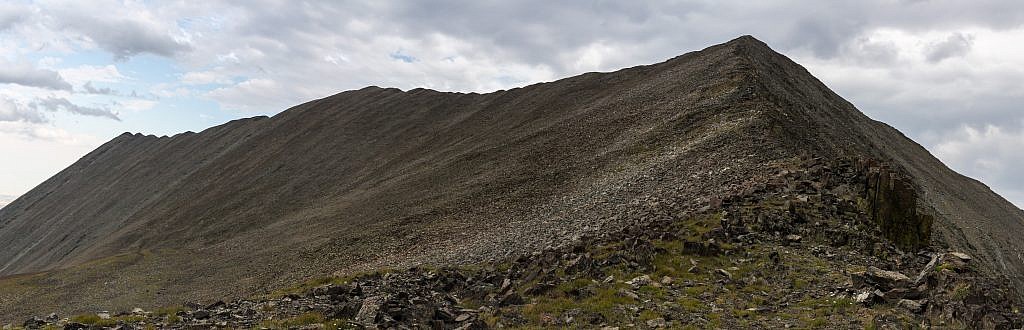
74,74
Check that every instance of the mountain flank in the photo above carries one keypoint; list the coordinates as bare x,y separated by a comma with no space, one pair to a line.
381,178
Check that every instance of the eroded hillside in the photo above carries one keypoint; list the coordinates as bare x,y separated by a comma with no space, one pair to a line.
382,178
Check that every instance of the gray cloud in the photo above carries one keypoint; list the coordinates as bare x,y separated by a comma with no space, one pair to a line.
126,38
55,104
11,14
823,35
124,34
90,89
13,112
957,44
27,75
991,153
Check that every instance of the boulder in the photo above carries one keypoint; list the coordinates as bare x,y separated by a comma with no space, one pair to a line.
368,312
884,279
959,255
506,284
215,305
511,299
956,261
708,248
443,315
34,323
580,264
200,314
869,297
75,326
628,294
928,269
639,281
914,306
657,323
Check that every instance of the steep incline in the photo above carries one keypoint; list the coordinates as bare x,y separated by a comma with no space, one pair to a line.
970,217
101,193
383,178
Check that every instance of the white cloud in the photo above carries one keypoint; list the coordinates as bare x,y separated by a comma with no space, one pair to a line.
991,154
205,78
35,152
80,75
136,105
11,14
252,95
169,90
30,132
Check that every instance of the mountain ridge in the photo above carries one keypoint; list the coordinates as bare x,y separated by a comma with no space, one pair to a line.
383,177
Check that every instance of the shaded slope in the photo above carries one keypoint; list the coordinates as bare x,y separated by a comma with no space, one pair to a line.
380,177
970,216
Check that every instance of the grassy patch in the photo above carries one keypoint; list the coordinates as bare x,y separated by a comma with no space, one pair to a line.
95,320
170,313
297,321
961,291
648,315
311,284
604,301
692,305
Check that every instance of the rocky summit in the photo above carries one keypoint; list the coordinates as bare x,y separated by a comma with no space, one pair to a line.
724,188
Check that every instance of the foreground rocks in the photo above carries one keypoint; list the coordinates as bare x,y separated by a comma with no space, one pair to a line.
793,250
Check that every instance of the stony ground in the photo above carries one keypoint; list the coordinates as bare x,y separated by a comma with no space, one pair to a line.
798,250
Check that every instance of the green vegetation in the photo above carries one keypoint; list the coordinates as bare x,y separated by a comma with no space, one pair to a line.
170,313
95,320
310,318
961,291
606,300
314,283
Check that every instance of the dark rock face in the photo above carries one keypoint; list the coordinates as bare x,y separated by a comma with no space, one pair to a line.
382,178
893,202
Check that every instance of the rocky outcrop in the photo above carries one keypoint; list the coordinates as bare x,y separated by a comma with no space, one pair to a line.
892,202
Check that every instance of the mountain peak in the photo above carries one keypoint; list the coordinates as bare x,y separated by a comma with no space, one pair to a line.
747,45
746,39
